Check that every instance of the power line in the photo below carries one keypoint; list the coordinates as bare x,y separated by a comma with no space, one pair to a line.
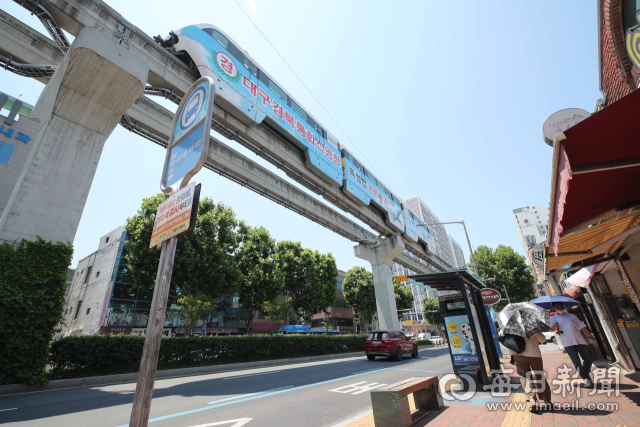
309,90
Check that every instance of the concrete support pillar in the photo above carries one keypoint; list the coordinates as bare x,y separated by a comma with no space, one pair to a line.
94,86
381,255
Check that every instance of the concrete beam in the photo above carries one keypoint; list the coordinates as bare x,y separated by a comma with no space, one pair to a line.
84,101
168,72
381,255
26,45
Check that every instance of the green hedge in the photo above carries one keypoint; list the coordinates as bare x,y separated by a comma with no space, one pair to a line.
32,287
423,342
79,356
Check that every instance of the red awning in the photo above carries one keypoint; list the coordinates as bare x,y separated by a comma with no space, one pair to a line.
602,154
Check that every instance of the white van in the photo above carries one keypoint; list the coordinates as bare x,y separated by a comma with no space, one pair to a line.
424,336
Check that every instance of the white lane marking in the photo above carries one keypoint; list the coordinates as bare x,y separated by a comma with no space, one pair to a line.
10,409
420,370
206,408
250,375
367,371
238,423
357,388
352,419
250,394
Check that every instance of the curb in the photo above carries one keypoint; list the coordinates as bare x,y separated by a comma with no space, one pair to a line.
169,373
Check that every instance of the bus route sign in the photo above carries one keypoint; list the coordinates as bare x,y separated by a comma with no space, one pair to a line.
189,137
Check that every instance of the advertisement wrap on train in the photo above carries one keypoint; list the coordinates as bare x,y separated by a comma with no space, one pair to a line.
248,92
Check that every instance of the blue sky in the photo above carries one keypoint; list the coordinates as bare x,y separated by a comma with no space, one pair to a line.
445,100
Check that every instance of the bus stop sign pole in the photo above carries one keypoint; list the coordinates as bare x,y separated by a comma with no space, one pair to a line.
187,152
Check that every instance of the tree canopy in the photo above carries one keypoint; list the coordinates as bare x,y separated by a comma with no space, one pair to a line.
510,269
359,293
261,281
309,279
205,259
431,311
404,297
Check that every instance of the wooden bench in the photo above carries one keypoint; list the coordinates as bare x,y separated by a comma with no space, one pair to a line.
391,403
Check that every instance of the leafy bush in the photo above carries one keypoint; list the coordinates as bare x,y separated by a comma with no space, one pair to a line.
32,287
77,356
423,342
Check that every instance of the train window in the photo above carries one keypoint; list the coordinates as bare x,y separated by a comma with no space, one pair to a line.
313,123
299,110
217,37
236,52
262,76
249,66
274,87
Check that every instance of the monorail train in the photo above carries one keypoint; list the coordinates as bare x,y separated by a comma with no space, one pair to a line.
247,91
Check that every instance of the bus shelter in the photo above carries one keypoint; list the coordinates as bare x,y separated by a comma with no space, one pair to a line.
471,344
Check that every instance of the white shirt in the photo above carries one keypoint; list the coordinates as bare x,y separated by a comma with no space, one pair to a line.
570,327
533,348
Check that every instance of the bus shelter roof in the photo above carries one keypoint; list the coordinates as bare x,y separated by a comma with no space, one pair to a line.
447,280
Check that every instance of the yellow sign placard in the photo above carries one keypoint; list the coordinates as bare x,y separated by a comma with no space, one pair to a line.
174,215
401,278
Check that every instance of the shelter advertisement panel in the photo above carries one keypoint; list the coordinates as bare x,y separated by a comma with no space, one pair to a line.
463,347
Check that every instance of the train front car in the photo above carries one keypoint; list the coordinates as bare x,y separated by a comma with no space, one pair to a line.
248,93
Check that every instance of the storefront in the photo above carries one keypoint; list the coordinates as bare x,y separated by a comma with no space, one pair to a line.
594,222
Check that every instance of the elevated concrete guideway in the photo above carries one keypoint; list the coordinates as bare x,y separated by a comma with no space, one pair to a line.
166,71
168,75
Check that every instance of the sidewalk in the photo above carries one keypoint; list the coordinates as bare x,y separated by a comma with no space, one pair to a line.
485,410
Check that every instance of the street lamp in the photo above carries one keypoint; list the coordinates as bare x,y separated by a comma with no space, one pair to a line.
473,259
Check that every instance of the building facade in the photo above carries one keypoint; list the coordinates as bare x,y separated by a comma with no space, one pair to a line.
17,133
532,225
90,291
101,299
457,254
341,316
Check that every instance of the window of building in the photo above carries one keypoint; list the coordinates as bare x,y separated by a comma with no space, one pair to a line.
77,310
274,87
106,240
98,274
88,310
339,286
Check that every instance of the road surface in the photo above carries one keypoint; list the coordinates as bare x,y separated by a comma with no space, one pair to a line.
322,394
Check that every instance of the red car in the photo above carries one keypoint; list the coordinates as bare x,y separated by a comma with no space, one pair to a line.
390,344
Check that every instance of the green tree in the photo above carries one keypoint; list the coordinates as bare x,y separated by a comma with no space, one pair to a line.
509,269
277,310
205,259
309,279
326,322
404,297
359,293
431,311
261,281
194,308
32,288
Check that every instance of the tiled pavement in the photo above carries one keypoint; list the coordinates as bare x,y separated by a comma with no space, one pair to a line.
589,409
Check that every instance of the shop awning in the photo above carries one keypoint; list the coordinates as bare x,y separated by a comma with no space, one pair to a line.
595,180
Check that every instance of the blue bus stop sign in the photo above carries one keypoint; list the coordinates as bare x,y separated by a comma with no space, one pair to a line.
189,138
